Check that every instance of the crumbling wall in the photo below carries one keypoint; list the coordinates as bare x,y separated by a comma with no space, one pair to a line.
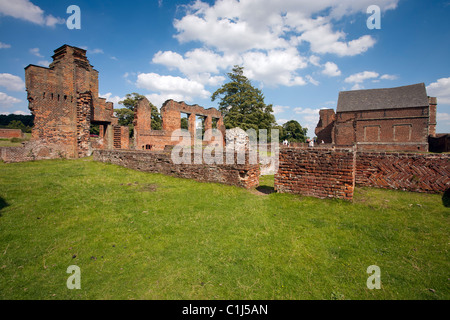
34,150
244,175
147,139
64,101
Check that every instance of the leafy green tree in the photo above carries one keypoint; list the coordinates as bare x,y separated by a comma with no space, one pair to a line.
17,124
280,131
293,132
242,105
131,100
27,120
184,123
125,116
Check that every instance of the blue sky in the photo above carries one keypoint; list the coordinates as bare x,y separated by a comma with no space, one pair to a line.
301,53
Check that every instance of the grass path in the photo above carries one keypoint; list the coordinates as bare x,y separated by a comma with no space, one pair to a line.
137,235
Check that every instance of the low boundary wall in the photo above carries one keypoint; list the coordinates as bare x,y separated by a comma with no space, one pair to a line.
333,173
241,175
317,172
419,172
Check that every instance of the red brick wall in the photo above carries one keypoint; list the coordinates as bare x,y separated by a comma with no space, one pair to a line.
404,171
241,175
11,133
121,137
389,130
317,172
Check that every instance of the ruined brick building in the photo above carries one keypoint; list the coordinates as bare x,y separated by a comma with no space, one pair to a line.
392,119
64,101
171,113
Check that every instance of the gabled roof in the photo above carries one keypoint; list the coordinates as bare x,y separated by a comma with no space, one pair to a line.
389,98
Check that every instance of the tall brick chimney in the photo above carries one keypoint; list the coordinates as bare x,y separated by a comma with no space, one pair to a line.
432,101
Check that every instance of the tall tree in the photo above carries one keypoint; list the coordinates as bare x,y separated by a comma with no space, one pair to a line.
293,132
242,105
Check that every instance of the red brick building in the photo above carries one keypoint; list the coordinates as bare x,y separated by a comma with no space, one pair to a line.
64,101
391,119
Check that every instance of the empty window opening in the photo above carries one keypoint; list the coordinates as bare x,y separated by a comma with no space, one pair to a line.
148,147
200,126
215,122
184,124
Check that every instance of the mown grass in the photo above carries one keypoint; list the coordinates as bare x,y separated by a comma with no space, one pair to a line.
14,142
137,235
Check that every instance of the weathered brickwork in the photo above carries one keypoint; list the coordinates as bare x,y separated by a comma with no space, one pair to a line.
11,133
121,137
242,175
147,139
320,172
34,151
64,101
404,171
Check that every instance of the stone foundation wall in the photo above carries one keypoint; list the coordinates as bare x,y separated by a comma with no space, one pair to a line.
404,171
241,175
321,173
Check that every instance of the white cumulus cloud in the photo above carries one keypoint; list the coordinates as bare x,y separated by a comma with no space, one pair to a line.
7,101
441,90
26,10
275,67
279,109
170,85
331,69
361,76
11,82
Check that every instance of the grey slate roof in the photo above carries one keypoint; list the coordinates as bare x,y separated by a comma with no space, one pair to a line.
389,98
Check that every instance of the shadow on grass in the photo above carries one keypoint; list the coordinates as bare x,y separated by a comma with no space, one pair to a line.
265,189
446,198
3,204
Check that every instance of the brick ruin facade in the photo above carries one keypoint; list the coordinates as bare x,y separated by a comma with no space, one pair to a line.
147,139
394,119
64,101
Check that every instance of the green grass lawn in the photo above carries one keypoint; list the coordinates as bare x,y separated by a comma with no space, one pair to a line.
14,142
137,235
